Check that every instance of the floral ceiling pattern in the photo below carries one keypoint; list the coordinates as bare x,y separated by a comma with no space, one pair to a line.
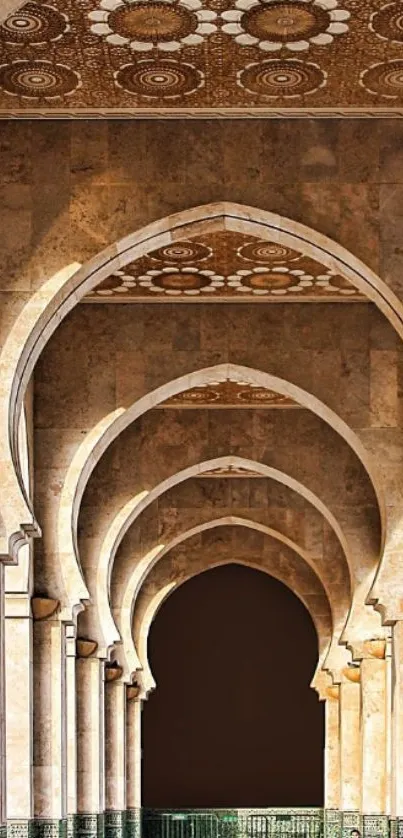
150,56
225,265
223,394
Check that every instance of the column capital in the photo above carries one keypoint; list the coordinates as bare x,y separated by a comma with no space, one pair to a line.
374,647
133,692
113,672
333,692
85,647
44,607
352,673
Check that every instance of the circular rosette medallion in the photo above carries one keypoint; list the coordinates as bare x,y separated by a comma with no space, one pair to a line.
175,282
276,281
294,24
152,22
180,281
182,252
279,79
159,79
388,22
384,79
267,252
268,281
38,79
146,24
33,24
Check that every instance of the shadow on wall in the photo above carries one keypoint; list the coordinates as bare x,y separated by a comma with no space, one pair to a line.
233,721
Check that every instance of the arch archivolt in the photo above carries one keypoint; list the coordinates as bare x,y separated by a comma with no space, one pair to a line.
100,577
282,560
190,557
126,588
338,510
97,441
59,295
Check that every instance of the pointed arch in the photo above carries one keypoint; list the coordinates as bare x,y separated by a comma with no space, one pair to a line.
48,307
135,641
108,429
128,514
331,656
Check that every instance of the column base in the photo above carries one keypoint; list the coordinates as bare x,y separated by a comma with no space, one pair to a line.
133,823
115,824
396,828
351,820
376,826
37,828
333,823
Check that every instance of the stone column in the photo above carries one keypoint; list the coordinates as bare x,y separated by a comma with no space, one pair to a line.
115,757
115,746
49,714
19,707
374,737
389,725
133,764
3,814
332,749
71,721
90,743
397,722
350,751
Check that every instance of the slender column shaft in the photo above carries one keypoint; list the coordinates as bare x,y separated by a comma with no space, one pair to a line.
49,719
90,735
3,814
133,759
71,717
373,736
397,721
389,727
350,754
18,701
332,755
115,746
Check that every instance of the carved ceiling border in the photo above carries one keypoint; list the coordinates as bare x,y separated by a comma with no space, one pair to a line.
205,113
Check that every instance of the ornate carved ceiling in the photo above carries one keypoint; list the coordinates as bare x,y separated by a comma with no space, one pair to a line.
225,266
106,57
229,394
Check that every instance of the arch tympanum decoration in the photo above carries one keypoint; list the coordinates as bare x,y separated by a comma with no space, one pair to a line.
125,603
153,595
99,581
41,315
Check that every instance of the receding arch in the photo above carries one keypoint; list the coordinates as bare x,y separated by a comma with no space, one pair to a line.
142,618
99,438
127,607
128,514
45,310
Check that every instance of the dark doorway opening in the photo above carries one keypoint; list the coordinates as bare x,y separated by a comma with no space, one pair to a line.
233,721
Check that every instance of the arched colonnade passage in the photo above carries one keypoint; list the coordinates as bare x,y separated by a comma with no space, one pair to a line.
165,422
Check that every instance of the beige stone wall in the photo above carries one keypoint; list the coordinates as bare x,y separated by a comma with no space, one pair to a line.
67,190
